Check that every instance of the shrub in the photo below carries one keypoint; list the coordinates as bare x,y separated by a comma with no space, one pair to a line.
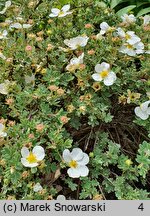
70,83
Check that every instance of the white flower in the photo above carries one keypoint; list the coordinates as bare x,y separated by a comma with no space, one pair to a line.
99,36
31,159
19,26
61,197
75,63
2,56
77,161
74,43
147,52
4,87
20,19
37,187
146,20
129,36
7,5
132,50
148,94
104,73
128,19
104,28
143,111
2,129
8,21
64,49
30,79
60,13
3,34
26,26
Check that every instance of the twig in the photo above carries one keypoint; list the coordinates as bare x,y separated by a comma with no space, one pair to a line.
86,145
78,190
102,192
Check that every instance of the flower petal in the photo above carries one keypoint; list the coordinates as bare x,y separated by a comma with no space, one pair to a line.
81,58
144,105
65,8
128,18
27,164
105,66
3,134
74,61
139,45
24,152
139,113
5,33
104,26
73,173
39,152
3,11
131,52
55,11
120,32
146,19
37,187
83,170
102,66
70,12
110,79
2,56
67,42
16,25
139,51
3,89
2,127
84,160
102,32
77,154
98,68
148,110
8,4
67,156
26,26
97,77
133,40
82,40
53,15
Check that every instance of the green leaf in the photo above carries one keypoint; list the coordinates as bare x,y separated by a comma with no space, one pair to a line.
143,12
125,10
53,167
71,185
141,3
114,3
63,2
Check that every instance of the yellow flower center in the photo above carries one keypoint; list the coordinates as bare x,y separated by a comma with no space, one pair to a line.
31,158
73,164
110,29
129,46
61,13
78,46
73,67
104,74
127,37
